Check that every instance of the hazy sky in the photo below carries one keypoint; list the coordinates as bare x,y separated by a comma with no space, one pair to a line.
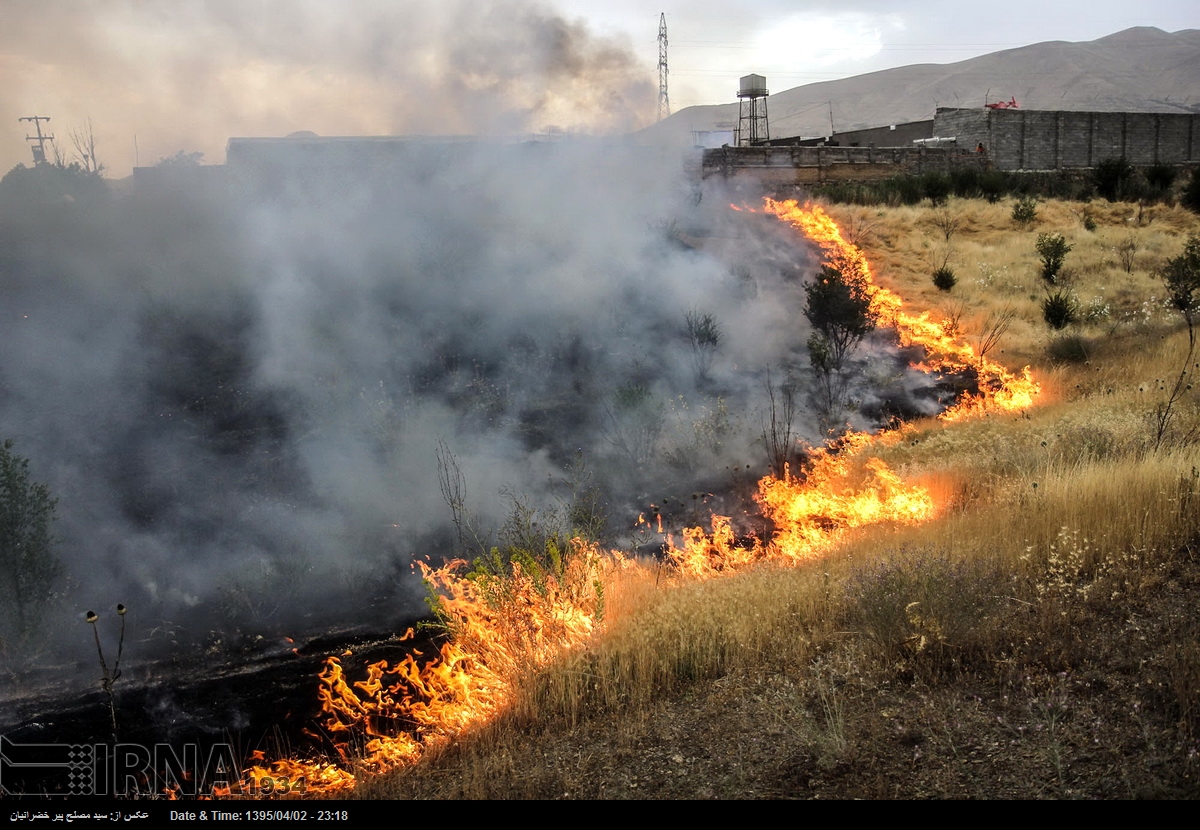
156,78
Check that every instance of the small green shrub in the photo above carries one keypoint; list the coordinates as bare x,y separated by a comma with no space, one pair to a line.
904,190
923,607
1060,309
30,570
1159,178
1024,211
965,182
944,278
1114,179
993,185
1181,275
1190,197
936,187
1053,249
1069,348
1089,221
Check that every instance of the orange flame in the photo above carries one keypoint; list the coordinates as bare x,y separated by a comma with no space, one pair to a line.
844,486
503,628
999,389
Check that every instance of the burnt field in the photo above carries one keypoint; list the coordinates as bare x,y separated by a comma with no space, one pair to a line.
258,403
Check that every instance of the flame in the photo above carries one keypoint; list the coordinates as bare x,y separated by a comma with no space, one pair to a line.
504,627
843,485
999,390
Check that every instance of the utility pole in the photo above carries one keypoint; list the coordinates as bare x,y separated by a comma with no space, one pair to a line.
664,101
39,152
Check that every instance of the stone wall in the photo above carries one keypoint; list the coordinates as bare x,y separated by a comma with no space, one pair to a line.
1017,139
814,165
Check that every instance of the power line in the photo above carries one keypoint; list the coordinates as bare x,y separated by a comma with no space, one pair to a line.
39,152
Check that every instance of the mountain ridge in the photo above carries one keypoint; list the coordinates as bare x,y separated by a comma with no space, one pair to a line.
1140,69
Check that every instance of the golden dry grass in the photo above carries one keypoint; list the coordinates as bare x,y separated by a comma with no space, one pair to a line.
1038,639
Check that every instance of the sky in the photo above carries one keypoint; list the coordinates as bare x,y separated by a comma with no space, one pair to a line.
152,79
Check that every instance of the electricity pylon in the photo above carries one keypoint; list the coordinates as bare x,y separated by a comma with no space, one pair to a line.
664,100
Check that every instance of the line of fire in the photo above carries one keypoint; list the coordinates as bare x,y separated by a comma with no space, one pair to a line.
380,716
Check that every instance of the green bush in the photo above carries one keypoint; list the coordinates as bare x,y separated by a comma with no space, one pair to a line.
29,568
1114,179
1060,309
1191,193
965,182
944,278
924,607
1069,348
1160,177
1181,275
993,185
1053,249
1024,211
936,187
904,190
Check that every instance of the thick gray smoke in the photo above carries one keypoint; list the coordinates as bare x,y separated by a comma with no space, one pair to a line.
157,78
236,382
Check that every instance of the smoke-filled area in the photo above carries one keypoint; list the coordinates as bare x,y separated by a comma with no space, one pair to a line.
152,79
237,387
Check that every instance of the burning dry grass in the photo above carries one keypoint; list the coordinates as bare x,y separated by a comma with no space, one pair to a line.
999,635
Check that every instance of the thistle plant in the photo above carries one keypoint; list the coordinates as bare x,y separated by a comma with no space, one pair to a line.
109,677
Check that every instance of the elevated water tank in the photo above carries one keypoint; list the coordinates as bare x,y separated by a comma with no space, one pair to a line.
752,86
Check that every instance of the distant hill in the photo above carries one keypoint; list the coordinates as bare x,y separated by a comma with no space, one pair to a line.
1137,70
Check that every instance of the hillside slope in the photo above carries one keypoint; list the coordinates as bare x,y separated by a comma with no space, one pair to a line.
1137,70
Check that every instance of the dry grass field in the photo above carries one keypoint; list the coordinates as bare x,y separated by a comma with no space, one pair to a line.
1039,638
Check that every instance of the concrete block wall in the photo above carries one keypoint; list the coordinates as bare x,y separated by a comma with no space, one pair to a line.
807,165
1018,139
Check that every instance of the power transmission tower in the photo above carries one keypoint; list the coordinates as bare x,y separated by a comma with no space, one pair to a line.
39,152
664,100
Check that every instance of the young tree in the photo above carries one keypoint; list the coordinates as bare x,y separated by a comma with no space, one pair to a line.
838,304
1181,275
29,568
84,140
1053,249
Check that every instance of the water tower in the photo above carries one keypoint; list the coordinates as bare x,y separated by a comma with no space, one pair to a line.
752,111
